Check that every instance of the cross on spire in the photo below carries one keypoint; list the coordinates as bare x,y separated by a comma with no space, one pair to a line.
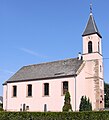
90,7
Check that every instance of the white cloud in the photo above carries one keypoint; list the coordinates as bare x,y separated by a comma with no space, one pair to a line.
6,71
33,53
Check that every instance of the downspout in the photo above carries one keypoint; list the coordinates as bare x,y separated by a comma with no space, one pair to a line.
75,75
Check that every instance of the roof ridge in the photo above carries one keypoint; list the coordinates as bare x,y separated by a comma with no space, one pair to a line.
50,62
93,21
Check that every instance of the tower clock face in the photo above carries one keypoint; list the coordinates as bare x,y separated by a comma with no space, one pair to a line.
89,37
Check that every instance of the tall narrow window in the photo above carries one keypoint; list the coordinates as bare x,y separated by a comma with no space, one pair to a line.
100,69
65,87
45,107
29,90
98,47
46,89
14,91
90,47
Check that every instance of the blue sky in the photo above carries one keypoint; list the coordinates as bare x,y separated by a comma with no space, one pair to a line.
35,31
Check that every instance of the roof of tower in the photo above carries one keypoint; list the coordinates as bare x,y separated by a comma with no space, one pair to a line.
91,27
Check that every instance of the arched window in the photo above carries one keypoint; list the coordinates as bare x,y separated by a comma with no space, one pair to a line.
90,47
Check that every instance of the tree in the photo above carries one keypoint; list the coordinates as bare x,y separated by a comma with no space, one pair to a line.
106,95
67,106
89,105
1,107
85,104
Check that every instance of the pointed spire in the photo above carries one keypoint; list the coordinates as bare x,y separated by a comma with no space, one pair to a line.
91,27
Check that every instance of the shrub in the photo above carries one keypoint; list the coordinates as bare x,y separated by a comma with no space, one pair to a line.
67,106
101,115
1,109
1,105
85,104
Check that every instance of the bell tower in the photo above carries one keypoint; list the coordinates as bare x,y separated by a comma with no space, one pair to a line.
92,55
91,40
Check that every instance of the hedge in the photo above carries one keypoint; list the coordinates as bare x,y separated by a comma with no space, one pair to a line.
101,115
1,109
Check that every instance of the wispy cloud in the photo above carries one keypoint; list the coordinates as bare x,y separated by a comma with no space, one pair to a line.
7,71
33,53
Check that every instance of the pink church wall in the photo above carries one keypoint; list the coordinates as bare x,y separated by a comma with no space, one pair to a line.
54,101
84,86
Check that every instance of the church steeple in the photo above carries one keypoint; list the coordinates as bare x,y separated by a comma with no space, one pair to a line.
91,27
91,39
92,55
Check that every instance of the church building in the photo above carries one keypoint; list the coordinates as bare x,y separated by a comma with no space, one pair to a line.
42,87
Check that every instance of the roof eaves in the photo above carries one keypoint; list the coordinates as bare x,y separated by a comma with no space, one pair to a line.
5,83
38,79
92,33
